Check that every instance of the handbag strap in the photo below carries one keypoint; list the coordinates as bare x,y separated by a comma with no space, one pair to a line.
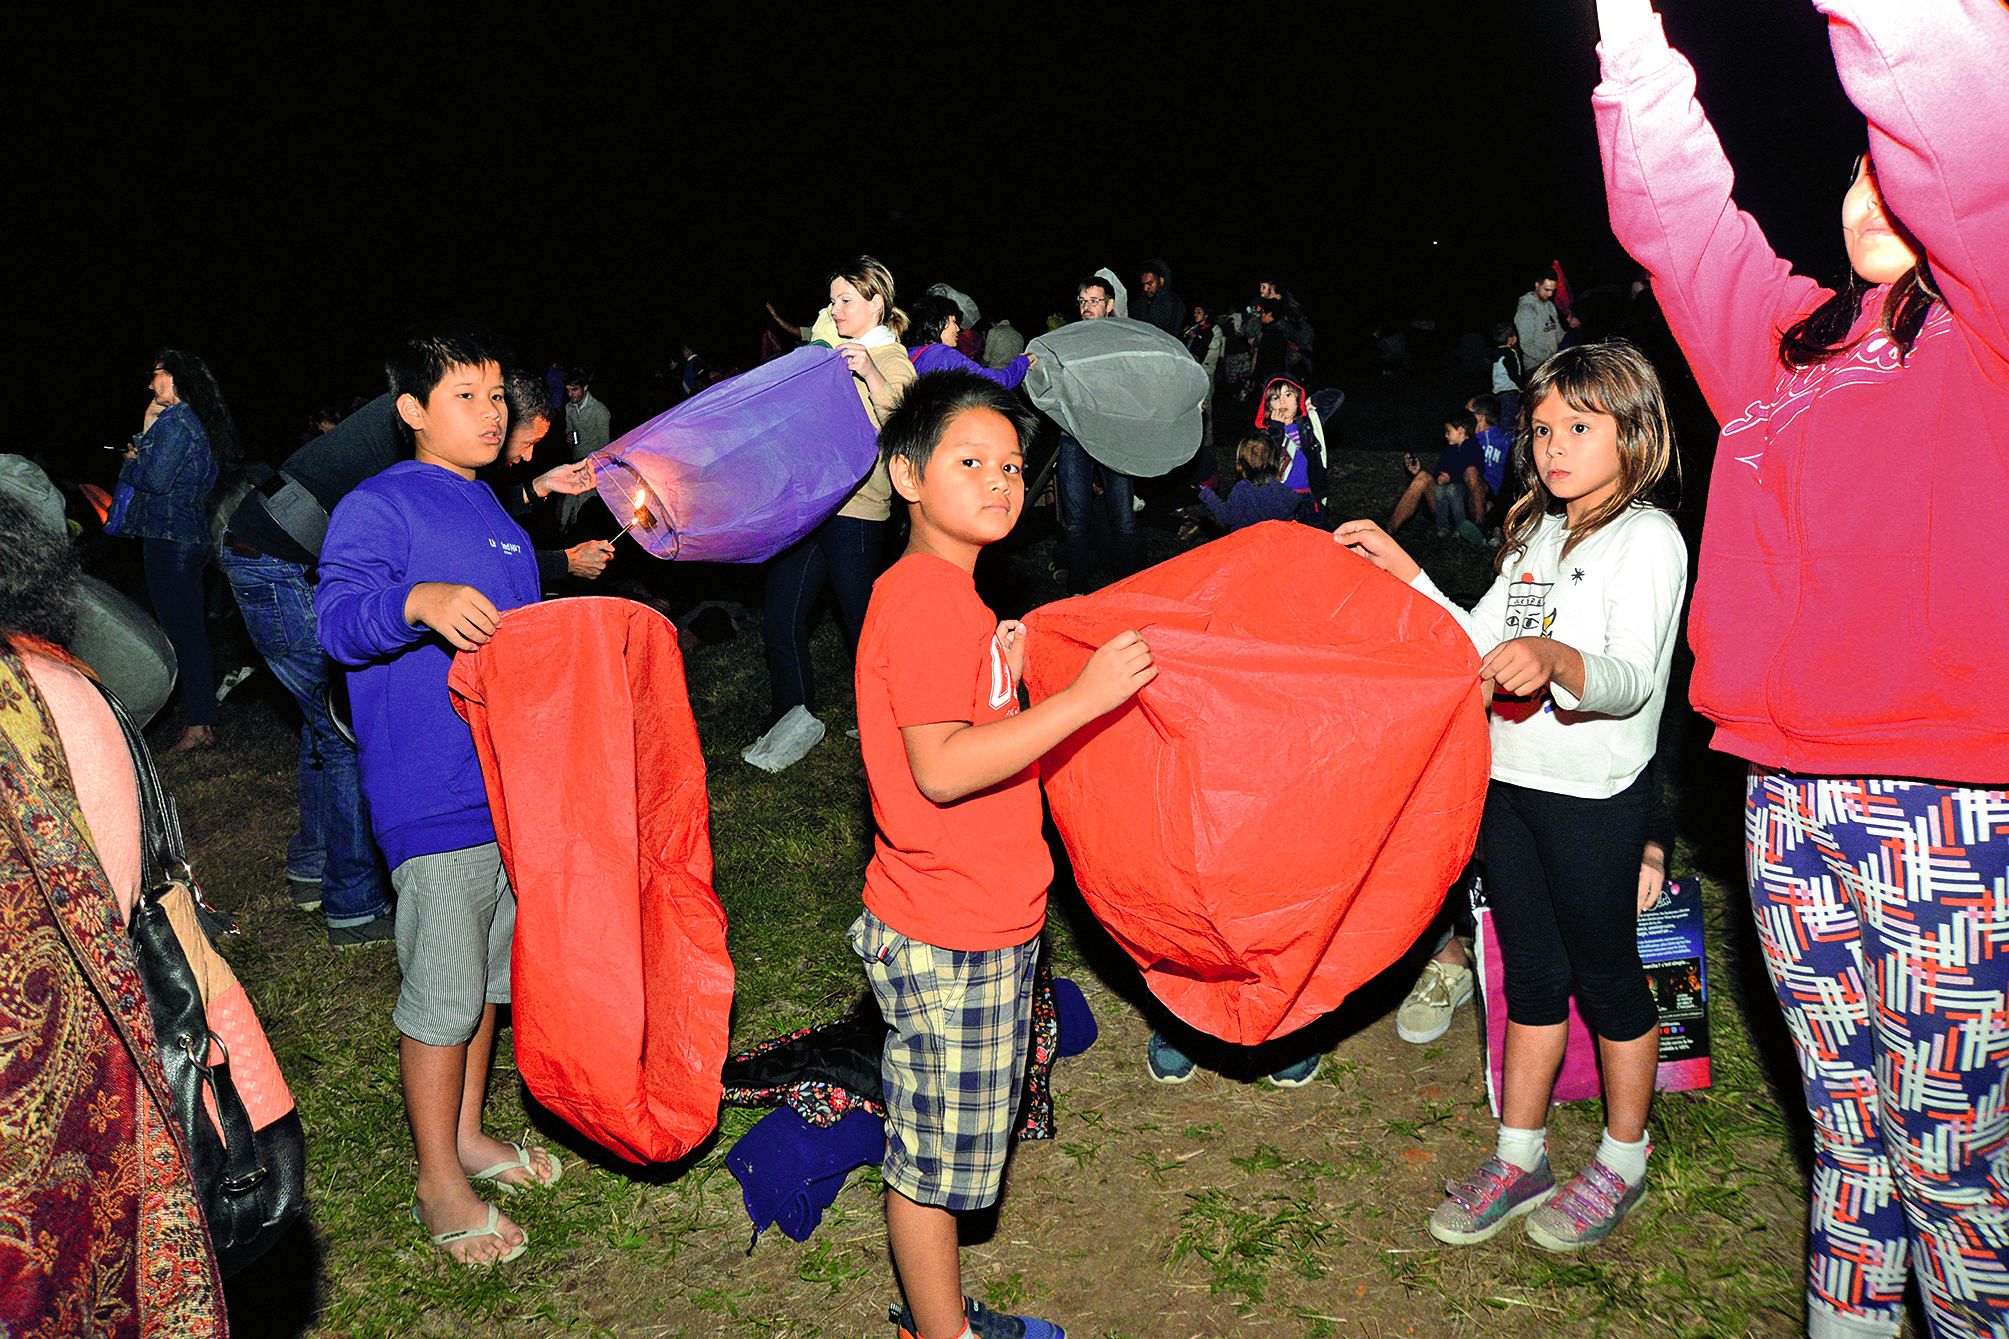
163,850
229,1154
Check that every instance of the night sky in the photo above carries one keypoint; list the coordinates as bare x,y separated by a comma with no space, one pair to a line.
282,193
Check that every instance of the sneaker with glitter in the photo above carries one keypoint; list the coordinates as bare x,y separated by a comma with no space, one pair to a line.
1475,1209
1587,1210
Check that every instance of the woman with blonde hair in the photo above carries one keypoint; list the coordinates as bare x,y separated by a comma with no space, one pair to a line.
844,552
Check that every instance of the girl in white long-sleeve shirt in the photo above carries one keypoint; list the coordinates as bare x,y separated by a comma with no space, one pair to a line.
1576,636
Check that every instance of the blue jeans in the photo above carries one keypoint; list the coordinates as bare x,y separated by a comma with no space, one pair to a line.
843,551
174,584
333,846
1451,504
1115,538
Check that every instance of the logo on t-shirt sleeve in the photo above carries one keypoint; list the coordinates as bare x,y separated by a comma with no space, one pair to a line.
1004,692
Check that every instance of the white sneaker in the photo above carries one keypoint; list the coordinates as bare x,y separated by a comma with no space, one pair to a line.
1426,1014
232,679
786,744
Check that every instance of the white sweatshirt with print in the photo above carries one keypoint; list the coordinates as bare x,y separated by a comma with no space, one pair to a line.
1616,599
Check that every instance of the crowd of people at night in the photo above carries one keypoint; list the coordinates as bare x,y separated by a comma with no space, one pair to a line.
1849,623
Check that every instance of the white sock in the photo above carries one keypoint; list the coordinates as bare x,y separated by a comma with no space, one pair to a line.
1628,1160
965,1333
1521,1148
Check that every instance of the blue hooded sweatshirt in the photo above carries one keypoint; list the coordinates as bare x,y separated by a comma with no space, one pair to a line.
415,522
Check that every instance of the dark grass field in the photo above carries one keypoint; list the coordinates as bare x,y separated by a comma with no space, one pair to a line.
1217,1208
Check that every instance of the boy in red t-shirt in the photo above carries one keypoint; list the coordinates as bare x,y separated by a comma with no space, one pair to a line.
955,895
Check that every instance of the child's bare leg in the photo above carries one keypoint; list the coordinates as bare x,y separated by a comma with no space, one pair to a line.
1475,486
1629,1069
479,1150
924,1253
1534,1056
435,1079
1413,496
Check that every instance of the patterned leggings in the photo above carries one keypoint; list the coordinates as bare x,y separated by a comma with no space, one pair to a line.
1883,908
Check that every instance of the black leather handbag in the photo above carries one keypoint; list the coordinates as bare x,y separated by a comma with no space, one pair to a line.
252,1182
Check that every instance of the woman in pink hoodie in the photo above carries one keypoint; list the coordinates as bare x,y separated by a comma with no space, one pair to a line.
1851,620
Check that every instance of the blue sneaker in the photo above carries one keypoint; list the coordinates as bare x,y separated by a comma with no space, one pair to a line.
1299,1074
984,1323
1167,1063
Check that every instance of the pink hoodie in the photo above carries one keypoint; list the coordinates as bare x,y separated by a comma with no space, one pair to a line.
1852,613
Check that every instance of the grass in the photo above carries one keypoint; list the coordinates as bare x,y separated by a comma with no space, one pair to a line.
1189,1211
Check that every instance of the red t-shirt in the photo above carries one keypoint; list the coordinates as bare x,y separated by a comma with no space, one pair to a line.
971,874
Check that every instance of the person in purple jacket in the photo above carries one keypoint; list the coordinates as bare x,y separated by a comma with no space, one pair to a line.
933,323
1260,494
420,561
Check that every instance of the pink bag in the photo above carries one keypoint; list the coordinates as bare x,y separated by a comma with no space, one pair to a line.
1670,944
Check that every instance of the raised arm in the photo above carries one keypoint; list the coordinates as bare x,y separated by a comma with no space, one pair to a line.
167,452
1726,293
1930,77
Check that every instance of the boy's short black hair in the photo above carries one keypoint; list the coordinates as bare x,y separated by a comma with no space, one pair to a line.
1486,407
578,376
420,360
527,396
1503,331
916,427
1462,418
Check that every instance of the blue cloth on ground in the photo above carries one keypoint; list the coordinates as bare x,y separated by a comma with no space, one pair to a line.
790,1171
1077,1020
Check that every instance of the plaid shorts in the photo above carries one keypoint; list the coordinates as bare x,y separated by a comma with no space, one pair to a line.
955,1057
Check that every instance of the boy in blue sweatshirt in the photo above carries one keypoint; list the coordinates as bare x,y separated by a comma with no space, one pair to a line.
421,561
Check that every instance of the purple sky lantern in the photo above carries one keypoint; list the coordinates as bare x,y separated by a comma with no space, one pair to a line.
741,471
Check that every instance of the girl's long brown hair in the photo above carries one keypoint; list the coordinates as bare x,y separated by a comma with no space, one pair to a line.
1612,378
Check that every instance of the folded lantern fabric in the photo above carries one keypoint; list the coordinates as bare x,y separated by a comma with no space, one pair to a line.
790,1171
1275,818
622,984
1077,1029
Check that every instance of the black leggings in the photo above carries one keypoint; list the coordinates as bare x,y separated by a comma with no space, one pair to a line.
843,551
1562,877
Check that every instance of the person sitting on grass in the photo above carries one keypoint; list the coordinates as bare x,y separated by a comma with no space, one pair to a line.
1260,494
1445,488
955,894
420,561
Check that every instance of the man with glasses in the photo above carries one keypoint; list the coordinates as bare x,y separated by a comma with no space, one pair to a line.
1101,529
